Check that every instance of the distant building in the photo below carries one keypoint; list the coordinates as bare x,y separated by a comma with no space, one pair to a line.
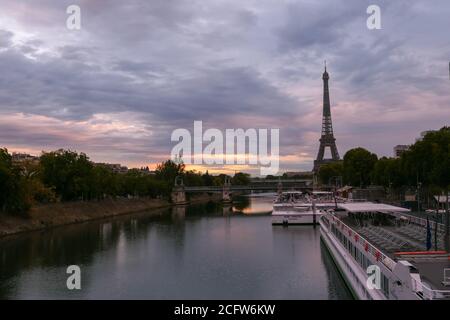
441,201
23,157
399,149
115,167
147,171
345,192
298,174
371,193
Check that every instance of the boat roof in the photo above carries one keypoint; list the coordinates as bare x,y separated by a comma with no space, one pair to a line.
292,192
370,207
442,198
322,192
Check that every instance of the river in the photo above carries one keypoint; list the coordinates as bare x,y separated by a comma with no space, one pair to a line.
208,251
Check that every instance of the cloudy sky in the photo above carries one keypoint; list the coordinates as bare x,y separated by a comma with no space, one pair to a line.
137,70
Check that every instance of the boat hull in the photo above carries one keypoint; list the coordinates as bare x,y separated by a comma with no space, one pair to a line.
350,271
295,219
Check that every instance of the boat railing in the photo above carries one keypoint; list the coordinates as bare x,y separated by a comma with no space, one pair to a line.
364,243
422,222
357,200
424,291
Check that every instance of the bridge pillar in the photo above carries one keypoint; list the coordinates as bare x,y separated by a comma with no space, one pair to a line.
279,187
178,213
227,210
226,193
178,194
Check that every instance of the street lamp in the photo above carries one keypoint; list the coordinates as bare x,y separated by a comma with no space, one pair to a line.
419,184
391,198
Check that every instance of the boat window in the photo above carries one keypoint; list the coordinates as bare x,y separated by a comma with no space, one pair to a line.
413,269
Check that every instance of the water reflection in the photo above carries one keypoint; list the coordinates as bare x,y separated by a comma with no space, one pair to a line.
199,251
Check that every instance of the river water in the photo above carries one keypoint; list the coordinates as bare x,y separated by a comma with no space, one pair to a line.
208,251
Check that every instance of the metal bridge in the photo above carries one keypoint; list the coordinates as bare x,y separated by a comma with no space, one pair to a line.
179,190
257,185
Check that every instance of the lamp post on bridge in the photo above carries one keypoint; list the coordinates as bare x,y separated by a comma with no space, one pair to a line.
226,193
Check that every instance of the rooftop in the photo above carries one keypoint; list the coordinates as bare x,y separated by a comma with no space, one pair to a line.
370,207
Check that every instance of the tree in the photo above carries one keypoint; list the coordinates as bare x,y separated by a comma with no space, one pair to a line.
240,178
358,166
13,197
68,172
193,178
388,172
330,170
428,160
168,170
207,179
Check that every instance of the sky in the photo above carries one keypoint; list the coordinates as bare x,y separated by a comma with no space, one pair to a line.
137,70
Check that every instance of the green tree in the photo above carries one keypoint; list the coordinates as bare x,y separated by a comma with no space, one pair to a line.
358,165
330,170
240,178
13,196
207,179
168,170
428,160
192,178
388,172
68,172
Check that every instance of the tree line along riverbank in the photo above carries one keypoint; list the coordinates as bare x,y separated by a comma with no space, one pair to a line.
64,175
424,167
63,187
44,216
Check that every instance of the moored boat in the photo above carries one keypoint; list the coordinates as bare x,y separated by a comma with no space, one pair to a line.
295,208
404,254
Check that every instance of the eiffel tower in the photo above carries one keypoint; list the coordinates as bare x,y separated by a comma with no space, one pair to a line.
327,139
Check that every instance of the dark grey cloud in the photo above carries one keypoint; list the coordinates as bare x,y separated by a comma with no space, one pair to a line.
5,38
230,64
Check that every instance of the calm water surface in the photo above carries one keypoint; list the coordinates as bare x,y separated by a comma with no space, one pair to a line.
196,252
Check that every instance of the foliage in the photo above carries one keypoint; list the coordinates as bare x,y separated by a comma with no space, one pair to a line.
240,178
329,171
68,172
67,175
169,169
13,198
428,160
357,167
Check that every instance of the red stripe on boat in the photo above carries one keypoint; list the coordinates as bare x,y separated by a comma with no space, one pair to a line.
420,252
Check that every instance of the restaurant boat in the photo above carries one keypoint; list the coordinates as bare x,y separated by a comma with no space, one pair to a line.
403,255
295,208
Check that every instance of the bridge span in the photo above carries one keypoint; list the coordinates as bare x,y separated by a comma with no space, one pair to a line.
179,191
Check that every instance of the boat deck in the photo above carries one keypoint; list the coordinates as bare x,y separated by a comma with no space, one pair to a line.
433,271
392,238
408,242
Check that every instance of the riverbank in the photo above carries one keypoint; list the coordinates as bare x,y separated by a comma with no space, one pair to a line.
64,213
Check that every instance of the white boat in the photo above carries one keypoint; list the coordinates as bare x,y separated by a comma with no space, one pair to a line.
384,253
296,216
295,208
433,211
